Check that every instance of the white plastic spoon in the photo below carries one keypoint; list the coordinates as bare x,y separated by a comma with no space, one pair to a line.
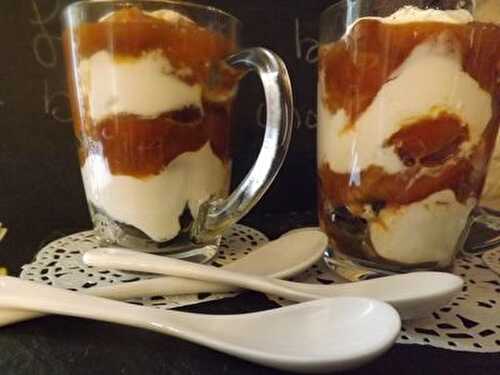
284,257
413,294
319,336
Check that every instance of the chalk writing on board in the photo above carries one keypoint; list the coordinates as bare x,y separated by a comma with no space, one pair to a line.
44,44
39,20
56,103
46,49
302,118
305,47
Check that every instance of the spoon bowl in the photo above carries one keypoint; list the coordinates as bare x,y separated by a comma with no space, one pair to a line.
320,336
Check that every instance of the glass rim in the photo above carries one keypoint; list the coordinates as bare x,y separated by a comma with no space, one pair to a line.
344,3
338,4
185,4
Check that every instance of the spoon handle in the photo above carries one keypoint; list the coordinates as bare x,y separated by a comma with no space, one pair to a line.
21,294
142,262
159,286
144,288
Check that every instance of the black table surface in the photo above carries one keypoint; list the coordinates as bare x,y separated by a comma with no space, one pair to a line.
60,345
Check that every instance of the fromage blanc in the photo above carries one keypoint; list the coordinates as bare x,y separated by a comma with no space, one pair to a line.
146,87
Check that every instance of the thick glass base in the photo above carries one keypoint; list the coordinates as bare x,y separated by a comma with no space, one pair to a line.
354,269
109,232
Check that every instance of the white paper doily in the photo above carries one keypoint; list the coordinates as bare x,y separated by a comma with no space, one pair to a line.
60,264
470,322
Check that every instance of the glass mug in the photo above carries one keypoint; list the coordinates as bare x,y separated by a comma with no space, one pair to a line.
408,114
152,85
489,11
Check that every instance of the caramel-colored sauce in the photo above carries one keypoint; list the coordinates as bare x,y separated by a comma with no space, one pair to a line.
141,147
429,141
396,189
357,66
130,33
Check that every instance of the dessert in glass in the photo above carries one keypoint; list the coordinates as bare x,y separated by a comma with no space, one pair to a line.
408,109
489,11
152,85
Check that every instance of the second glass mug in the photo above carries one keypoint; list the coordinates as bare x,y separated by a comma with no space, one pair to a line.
152,85
408,114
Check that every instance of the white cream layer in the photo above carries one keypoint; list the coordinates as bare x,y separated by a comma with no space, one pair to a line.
164,14
429,81
169,15
421,232
155,204
409,14
145,87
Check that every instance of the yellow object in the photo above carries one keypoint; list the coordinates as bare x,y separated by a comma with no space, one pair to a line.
3,232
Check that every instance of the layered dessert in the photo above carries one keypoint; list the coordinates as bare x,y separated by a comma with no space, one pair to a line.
152,105
407,119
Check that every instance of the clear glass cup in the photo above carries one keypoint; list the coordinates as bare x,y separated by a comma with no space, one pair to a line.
489,11
408,113
152,85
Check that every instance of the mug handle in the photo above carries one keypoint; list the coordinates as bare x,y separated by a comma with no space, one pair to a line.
216,216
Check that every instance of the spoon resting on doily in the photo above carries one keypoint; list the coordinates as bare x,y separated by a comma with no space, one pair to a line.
413,295
296,252
312,337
